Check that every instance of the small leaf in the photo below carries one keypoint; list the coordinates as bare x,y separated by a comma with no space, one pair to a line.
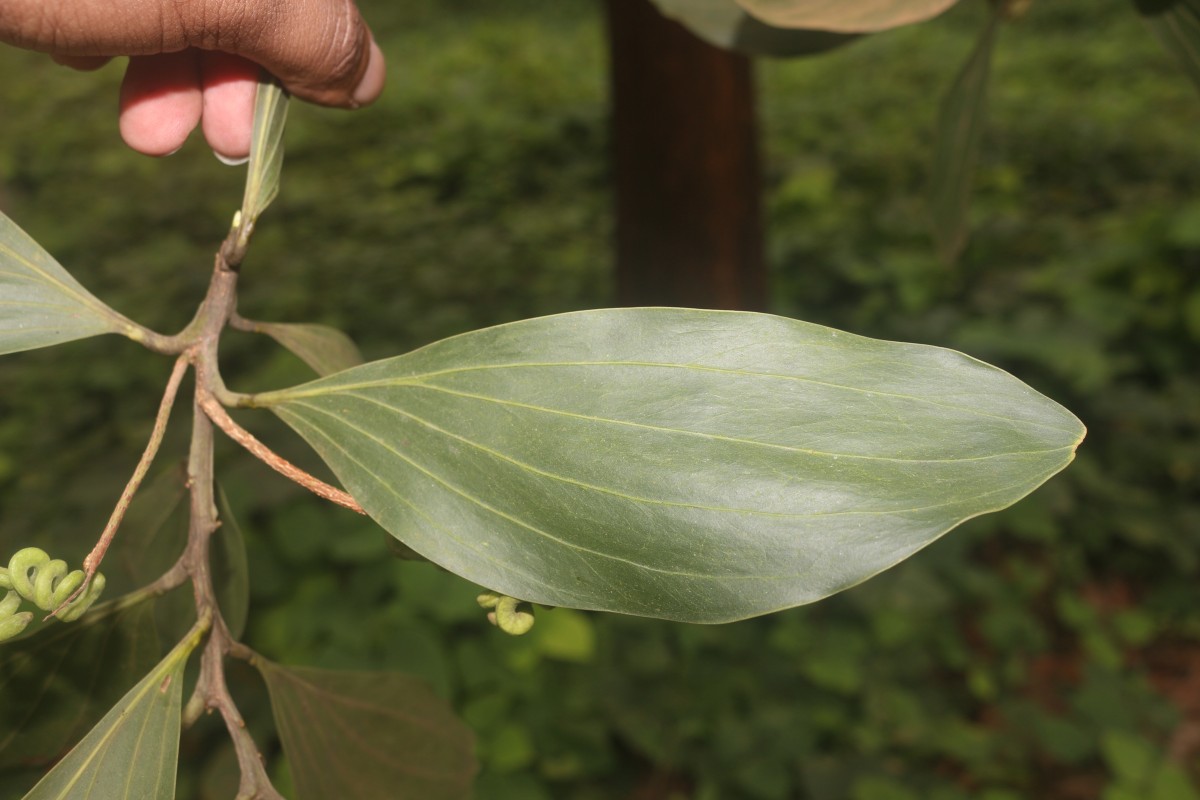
40,303
700,466
725,24
368,734
956,151
327,350
56,684
847,16
266,152
1177,25
133,752
231,569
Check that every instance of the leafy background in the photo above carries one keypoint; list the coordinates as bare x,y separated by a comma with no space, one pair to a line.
1049,651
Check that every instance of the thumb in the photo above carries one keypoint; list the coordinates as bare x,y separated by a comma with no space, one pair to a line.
321,50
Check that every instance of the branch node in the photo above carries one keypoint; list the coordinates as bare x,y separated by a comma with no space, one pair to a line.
222,420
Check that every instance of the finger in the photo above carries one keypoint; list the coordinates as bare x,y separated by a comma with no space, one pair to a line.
321,50
160,102
228,84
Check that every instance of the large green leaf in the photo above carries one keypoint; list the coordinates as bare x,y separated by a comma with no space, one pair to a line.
40,303
1177,25
702,466
956,151
726,24
132,753
848,16
368,735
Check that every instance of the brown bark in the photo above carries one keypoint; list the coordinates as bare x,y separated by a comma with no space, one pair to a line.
689,226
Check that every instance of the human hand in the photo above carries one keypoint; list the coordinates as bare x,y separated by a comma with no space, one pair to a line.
196,62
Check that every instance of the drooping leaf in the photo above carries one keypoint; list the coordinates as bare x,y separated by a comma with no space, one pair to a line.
153,533
368,735
231,569
40,303
847,16
327,350
49,695
699,466
956,151
266,151
56,684
725,24
131,754
1177,24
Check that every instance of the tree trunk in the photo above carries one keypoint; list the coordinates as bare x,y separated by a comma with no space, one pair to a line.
689,222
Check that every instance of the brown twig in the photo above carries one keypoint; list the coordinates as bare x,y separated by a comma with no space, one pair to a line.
221,418
212,693
212,690
92,563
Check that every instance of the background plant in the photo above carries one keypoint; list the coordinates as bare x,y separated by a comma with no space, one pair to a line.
535,742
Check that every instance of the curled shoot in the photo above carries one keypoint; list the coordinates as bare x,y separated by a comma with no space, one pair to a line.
47,583
513,616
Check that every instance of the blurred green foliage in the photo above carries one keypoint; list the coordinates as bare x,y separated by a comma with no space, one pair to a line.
1042,652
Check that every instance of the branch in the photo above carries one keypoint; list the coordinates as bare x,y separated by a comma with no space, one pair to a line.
218,415
213,692
92,563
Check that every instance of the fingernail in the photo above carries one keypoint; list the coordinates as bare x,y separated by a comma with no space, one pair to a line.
371,85
233,162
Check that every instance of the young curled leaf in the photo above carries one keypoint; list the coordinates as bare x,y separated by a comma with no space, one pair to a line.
25,567
79,606
511,618
509,614
11,622
47,583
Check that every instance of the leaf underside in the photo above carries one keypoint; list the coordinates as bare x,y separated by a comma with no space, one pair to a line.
40,303
368,735
726,24
132,753
699,466
52,695
847,16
